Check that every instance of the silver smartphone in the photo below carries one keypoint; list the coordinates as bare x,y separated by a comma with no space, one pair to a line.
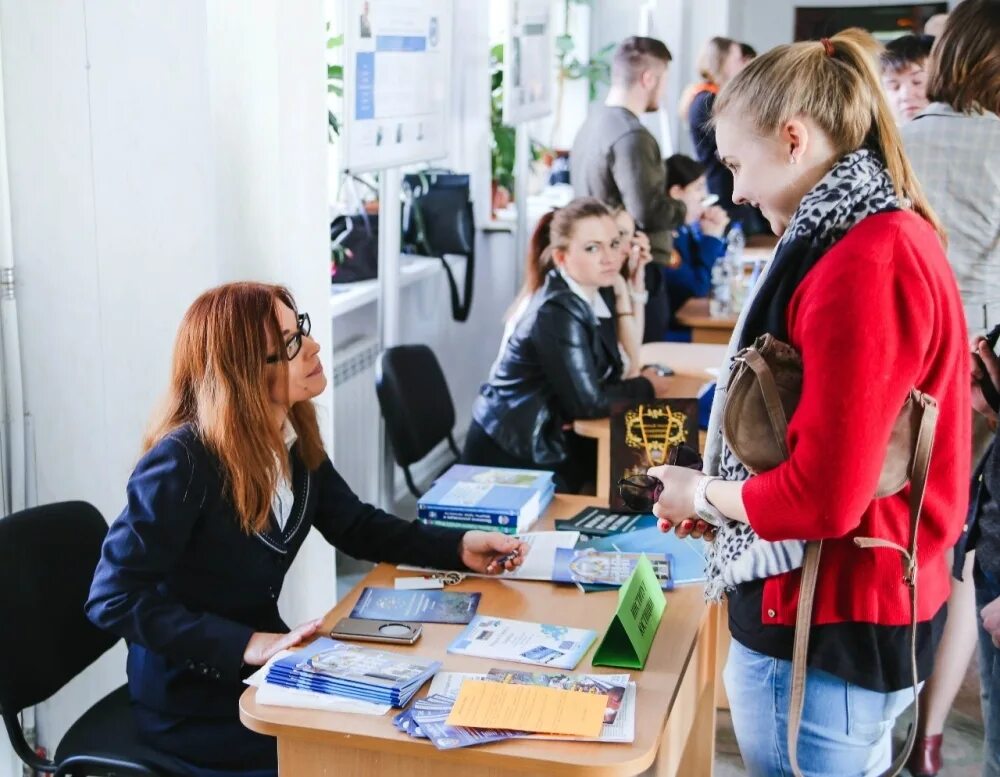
397,632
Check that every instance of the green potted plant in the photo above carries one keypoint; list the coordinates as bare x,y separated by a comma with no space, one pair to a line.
334,83
502,137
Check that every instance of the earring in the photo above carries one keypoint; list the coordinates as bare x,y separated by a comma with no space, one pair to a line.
791,159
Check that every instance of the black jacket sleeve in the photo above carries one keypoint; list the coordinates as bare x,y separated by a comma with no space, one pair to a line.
127,596
565,349
366,532
702,132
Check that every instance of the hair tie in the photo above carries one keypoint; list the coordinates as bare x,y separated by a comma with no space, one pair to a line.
828,46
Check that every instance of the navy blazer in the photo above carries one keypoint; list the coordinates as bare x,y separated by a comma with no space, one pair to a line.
186,587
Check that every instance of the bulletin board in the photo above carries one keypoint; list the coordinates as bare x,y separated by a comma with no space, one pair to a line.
397,82
528,62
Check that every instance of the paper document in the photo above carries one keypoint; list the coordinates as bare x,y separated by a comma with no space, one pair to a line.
538,563
524,642
483,704
622,729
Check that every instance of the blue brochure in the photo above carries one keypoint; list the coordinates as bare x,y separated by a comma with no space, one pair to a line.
420,606
606,567
354,671
687,555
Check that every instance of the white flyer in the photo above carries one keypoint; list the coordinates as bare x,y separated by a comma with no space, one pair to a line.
524,642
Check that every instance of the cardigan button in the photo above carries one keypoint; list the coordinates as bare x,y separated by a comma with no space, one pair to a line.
771,613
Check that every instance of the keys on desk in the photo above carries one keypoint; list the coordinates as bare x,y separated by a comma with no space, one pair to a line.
428,582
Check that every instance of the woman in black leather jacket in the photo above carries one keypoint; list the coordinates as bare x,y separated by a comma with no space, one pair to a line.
560,360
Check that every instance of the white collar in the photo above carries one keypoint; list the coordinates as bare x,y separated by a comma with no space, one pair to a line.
289,434
596,302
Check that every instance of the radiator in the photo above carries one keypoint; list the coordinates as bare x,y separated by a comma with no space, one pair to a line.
356,417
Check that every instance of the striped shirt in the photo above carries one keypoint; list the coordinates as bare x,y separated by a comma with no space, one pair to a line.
956,157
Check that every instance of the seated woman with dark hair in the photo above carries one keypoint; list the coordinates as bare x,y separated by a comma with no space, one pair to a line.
560,359
233,477
698,243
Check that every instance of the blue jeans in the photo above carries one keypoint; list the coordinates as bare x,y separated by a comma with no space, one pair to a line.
987,590
846,729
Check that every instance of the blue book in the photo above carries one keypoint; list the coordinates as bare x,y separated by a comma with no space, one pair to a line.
357,672
497,497
417,606
600,522
537,479
483,518
687,555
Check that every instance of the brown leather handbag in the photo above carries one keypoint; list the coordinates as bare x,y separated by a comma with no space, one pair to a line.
764,389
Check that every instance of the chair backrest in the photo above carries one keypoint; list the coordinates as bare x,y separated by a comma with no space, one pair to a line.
47,559
415,401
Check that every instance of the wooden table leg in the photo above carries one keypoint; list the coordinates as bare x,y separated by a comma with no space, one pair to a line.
687,746
724,638
603,484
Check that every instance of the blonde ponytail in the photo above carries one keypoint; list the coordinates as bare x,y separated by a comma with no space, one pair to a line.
835,83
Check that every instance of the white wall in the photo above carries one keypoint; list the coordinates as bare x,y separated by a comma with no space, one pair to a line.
154,150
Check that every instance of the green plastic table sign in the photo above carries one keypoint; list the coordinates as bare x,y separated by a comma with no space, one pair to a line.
641,604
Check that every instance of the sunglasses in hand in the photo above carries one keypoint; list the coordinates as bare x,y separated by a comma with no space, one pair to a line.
641,492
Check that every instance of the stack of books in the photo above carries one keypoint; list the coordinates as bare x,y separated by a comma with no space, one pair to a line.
355,672
487,498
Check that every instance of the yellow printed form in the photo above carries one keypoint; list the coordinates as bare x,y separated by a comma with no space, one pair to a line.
532,708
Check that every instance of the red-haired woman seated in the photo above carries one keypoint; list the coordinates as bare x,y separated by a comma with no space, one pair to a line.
233,477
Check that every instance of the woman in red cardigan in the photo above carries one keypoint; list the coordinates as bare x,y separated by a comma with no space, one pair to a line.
861,287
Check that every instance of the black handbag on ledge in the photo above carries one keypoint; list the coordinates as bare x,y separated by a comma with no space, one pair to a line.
438,220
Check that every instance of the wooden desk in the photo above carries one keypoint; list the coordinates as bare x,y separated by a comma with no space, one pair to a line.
717,330
707,329
693,364
675,715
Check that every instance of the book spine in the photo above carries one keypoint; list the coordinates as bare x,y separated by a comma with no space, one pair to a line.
468,526
502,520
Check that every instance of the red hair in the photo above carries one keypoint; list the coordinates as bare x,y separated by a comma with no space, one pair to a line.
220,385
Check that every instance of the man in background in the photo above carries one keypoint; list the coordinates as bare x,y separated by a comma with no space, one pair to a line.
616,159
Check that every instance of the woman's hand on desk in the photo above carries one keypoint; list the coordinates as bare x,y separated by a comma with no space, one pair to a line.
491,552
263,644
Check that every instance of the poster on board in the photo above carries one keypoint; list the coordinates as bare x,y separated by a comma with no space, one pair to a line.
397,82
529,61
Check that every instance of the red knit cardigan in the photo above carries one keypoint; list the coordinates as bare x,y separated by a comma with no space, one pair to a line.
879,314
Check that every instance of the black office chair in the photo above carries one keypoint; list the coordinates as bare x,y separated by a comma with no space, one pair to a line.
416,404
47,559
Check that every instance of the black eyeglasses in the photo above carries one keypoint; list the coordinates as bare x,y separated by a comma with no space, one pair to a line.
294,343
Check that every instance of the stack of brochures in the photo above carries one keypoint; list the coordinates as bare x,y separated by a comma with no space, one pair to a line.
428,717
487,498
352,671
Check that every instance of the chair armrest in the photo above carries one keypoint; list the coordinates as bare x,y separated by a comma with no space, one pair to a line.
101,766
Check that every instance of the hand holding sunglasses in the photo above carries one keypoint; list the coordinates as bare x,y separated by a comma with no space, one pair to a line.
643,493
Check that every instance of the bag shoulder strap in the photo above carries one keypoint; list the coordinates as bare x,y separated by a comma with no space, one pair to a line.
459,309
772,399
810,568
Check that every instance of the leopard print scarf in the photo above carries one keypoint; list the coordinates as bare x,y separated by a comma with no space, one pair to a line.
856,187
